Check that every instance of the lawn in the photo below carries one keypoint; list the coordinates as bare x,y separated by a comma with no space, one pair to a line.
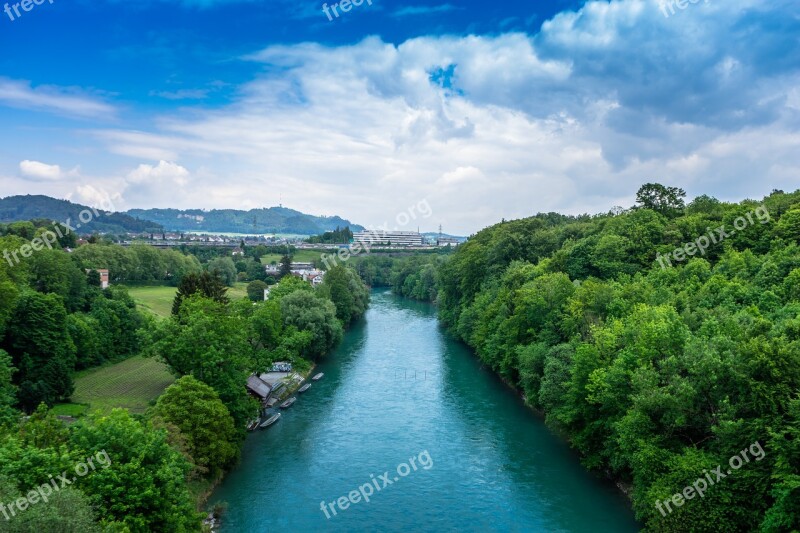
131,384
158,299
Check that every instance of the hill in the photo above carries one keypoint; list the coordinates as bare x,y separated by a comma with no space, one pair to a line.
18,208
264,220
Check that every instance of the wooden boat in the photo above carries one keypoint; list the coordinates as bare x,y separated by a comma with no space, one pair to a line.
271,420
253,424
288,403
304,387
318,377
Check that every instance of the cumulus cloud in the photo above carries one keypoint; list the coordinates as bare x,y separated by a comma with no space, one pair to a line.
573,118
40,171
151,184
162,174
96,197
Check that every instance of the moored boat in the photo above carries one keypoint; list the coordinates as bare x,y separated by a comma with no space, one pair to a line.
288,403
271,420
304,387
318,376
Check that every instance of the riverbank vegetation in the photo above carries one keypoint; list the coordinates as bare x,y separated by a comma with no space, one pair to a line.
656,374
56,320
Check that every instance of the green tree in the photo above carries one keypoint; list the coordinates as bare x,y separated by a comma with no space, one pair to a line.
88,337
225,268
93,278
348,293
8,299
119,323
255,290
8,392
286,266
66,511
307,312
789,226
144,485
207,284
255,271
41,348
203,420
669,201
209,341
54,272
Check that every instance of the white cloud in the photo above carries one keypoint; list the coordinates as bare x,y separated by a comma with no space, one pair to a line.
59,100
96,197
152,185
40,171
161,174
573,119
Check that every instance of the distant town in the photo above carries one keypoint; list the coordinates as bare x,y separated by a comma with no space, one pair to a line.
376,238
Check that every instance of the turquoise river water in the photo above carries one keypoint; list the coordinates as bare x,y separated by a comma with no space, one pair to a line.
396,388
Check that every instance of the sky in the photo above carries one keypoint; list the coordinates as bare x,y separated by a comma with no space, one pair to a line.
482,110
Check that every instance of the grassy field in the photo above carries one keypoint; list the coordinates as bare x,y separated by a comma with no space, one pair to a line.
300,256
158,299
131,384
238,291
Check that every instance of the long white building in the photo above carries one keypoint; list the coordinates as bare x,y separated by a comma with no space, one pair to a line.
388,238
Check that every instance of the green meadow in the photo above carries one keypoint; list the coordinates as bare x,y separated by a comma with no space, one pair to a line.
130,384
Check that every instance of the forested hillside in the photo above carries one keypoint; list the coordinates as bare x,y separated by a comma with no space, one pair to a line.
662,340
23,208
148,471
265,220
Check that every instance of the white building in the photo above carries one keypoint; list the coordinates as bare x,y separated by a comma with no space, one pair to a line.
447,241
388,238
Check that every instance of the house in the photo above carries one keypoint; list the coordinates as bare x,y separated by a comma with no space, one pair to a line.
237,252
104,280
258,388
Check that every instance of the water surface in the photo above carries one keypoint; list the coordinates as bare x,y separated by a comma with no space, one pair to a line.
396,387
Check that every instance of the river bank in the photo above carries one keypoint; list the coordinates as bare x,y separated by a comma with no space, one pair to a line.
205,489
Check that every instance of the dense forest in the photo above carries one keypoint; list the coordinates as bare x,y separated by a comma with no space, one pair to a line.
147,471
662,340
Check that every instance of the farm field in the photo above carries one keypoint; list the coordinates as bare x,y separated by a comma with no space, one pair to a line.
158,299
131,384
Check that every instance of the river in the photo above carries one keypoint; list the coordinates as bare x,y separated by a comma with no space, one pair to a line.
399,388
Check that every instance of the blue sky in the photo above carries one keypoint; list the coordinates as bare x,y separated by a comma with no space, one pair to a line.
487,110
